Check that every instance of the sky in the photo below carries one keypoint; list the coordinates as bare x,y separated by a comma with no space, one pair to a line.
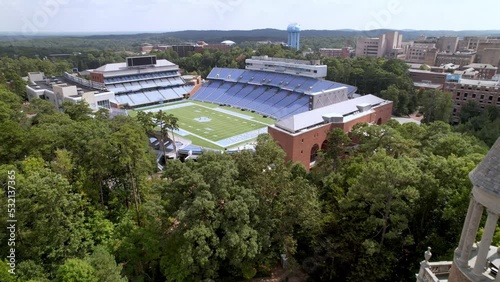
32,17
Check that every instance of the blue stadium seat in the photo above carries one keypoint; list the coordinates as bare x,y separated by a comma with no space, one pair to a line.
219,91
206,89
246,89
139,99
229,93
250,97
154,95
298,106
168,94
258,103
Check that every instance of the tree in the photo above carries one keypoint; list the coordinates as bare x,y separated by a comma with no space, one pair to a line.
436,106
78,111
106,269
132,155
52,229
76,270
469,110
400,99
166,123
213,226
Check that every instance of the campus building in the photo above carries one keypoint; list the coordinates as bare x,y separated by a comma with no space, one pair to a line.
485,92
424,79
70,88
336,52
447,44
387,45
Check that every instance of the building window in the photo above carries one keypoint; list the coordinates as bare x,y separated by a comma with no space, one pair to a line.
103,104
465,95
302,140
473,95
482,97
490,98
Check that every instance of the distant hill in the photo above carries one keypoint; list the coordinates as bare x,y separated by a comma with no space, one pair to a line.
213,36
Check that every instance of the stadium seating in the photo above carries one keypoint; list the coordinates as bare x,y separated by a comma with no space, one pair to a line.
276,95
140,77
148,88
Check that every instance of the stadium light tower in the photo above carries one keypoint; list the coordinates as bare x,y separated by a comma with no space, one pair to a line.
294,36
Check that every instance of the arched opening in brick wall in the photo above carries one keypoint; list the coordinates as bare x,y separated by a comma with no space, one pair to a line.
314,153
379,121
324,145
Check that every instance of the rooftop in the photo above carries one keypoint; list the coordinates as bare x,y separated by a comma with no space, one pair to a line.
123,66
311,118
284,60
487,174
427,85
480,66
48,83
489,83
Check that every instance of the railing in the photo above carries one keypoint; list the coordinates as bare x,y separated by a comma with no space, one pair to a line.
84,82
117,112
441,267
429,276
429,271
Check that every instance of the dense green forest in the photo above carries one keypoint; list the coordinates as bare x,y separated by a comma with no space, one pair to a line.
91,205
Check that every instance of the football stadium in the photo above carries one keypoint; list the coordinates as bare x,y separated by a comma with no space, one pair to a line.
234,106
289,99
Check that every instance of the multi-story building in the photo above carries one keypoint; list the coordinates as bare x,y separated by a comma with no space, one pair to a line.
457,58
336,52
485,92
70,88
417,52
489,53
386,45
447,44
423,79
485,71
471,43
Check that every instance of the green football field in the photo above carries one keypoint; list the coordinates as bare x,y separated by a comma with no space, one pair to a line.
212,126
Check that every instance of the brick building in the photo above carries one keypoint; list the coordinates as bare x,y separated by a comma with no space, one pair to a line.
336,52
483,91
485,71
457,58
434,80
302,135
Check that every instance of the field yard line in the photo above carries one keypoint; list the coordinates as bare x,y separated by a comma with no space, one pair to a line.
198,136
227,112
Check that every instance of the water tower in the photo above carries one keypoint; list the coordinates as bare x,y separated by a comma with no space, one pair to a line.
294,35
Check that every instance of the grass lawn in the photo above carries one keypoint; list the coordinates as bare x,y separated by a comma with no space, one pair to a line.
211,124
207,124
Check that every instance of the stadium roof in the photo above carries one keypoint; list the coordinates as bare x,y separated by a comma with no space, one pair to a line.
123,66
311,118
